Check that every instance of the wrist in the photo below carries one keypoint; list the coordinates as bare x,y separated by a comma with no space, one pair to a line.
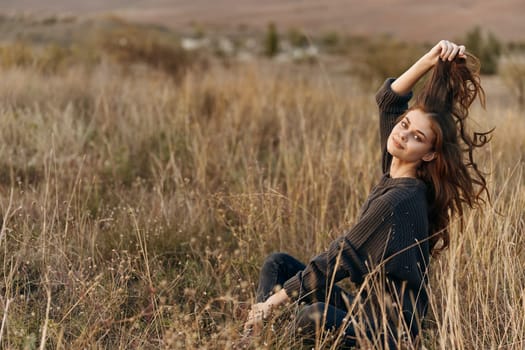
276,299
428,61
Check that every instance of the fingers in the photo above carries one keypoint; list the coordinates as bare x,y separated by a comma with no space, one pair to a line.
446,49
461,52
252,320
255,318
253,328
450,50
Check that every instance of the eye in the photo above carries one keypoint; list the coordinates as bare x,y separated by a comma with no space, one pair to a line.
403,124
417,138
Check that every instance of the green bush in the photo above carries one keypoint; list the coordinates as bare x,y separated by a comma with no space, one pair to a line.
513,75
373,60
486,47
271,45
130,45
330,40
297,38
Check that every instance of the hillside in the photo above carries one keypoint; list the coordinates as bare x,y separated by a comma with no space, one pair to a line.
407,19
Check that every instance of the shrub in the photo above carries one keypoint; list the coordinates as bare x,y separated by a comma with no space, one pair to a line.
512,72
48,59
516,46
330,41
17,54
486,47
297,38
271,45
129,45
373,60
53,57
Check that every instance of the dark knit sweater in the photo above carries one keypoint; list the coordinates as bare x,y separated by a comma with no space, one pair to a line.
393,218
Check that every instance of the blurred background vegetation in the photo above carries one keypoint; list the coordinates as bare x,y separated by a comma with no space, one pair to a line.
53,43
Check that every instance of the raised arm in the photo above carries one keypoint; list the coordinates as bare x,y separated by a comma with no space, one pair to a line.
392,99
444,50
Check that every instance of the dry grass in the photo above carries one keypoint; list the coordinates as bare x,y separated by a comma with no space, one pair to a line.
137,210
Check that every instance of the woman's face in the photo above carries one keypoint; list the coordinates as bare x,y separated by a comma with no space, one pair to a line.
412,139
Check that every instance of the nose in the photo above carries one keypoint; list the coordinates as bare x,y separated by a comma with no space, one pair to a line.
403,136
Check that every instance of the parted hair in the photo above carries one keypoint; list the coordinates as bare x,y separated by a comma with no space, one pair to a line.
453,177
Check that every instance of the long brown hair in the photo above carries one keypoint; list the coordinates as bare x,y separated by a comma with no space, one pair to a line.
453,177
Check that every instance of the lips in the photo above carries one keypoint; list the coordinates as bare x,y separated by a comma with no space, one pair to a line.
397,143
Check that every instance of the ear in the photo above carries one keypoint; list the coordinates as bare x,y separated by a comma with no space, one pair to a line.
430,156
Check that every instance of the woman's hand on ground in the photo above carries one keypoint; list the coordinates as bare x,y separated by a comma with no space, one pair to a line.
262,311
257,315
253,325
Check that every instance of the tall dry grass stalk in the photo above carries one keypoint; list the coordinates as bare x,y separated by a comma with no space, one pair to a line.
142,208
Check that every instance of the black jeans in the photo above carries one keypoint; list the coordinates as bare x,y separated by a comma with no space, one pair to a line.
277,269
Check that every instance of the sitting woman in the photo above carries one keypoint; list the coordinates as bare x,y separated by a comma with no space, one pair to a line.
429,174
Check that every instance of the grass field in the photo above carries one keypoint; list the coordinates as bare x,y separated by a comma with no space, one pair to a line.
137,208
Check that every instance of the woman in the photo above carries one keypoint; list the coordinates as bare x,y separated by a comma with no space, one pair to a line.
429,174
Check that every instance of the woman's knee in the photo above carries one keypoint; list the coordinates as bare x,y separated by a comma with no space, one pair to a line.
274,260
309,318
278,257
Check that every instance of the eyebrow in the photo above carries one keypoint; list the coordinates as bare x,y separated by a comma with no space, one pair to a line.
418,131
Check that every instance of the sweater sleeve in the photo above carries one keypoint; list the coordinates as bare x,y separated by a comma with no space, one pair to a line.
391,106
345,256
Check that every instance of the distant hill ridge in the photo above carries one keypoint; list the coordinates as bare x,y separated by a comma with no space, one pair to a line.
406,19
